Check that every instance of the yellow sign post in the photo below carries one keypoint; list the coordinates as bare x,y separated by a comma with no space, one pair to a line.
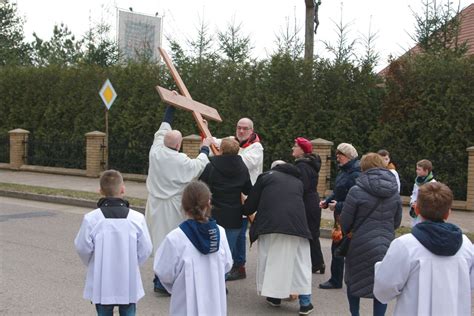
108,95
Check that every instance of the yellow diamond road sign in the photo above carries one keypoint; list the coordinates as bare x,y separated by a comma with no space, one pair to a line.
108,94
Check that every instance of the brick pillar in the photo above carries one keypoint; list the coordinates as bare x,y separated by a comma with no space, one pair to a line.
470,180
323,148
191,145
95,153
18,147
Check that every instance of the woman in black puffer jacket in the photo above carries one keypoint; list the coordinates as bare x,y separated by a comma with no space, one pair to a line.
374,204
309,165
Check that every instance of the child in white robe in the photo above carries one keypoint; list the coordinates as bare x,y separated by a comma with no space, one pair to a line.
192,261
431,270
113,242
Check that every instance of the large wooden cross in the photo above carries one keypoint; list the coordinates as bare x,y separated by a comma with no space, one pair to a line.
185,102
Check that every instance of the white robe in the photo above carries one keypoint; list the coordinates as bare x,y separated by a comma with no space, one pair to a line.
113,249
253,159
196,281
168,174
283,265
424,283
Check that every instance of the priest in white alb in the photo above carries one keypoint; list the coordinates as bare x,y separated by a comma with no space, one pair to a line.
169,172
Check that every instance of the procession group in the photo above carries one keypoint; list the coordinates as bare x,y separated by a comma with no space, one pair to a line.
199,209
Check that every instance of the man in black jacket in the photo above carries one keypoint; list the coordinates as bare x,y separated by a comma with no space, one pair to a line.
284,260
228,178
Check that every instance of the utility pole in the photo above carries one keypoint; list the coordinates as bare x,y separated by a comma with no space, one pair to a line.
312,19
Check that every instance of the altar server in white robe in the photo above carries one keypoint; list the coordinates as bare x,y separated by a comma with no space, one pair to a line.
193,259
431,270
168,174
284,258
113,242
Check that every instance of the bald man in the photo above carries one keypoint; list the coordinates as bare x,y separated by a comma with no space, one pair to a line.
168,174
251,151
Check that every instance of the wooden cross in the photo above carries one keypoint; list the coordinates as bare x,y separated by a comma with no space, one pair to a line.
185,102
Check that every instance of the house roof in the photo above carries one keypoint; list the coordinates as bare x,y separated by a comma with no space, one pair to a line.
466,34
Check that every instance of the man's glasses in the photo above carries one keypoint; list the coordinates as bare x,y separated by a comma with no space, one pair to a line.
243,128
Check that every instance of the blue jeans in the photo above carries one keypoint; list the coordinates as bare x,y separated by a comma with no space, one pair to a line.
354,305
305,299
233,235
337,268
241,249
108,310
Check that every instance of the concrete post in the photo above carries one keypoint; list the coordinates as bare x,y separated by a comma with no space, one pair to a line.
323,148
470,180
191,145
18,147
95,153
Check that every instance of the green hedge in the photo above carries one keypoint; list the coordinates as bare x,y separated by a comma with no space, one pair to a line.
425,110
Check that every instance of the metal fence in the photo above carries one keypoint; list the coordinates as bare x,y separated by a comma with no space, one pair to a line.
5,148
52,153
129,156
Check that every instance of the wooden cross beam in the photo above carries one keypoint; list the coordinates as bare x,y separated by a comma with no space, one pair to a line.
185,102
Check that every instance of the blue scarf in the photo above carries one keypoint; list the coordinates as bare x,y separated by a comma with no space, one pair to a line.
204,236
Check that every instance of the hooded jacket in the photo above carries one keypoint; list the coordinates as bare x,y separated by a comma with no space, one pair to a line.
204,236
278,197
372,238
227,178
442,239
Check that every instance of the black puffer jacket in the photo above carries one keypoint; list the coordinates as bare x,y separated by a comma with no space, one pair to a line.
309,166
371,240
278,198
227,177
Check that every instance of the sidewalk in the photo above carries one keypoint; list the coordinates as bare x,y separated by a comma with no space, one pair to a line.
465,220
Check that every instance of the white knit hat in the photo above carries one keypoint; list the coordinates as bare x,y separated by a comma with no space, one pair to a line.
347,150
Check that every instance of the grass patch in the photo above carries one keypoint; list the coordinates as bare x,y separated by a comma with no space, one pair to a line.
62,192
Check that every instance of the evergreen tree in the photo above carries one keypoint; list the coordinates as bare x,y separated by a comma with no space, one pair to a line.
13,50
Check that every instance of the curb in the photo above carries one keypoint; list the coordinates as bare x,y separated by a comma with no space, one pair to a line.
58,199
324,232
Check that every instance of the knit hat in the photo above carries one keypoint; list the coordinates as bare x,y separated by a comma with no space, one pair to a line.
304,144
347,150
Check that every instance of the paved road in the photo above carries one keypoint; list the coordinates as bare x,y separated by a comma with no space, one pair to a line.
42,275
465,220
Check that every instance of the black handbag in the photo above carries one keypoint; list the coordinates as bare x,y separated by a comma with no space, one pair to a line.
343,246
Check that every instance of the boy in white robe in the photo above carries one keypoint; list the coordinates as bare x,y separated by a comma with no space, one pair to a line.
431,270
192,261
113,242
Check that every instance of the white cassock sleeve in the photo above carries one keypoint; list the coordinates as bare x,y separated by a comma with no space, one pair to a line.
471,272
166,264
83,242
144,245
228,254
253,156
387,283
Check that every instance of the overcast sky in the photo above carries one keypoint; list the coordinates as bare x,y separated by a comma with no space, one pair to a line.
392,20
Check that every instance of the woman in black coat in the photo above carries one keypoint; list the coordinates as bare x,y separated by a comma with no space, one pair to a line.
309,165
373,206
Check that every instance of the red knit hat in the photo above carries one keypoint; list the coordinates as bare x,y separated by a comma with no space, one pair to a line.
304,144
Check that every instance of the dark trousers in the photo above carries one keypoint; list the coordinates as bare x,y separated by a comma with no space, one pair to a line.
314,223
108,310
337,268
354,306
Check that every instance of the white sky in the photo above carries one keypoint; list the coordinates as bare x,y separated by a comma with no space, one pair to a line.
261,19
